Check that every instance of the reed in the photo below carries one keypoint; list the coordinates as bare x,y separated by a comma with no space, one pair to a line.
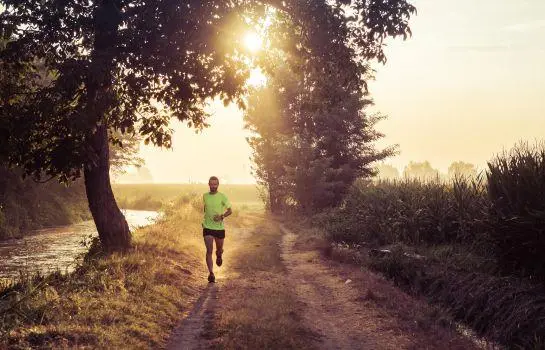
482,240
411,211
516,187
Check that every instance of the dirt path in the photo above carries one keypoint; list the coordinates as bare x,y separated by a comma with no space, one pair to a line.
349,308
189,335
331,307
193,331
276,291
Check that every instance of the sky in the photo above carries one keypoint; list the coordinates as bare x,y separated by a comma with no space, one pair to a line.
220,150
469,83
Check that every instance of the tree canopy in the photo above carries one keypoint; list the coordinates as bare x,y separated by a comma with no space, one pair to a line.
313,136
150,61
162,59
73,71
387,171
420,170
462,169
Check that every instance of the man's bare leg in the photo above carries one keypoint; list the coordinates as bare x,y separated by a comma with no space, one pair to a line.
209,242
219,251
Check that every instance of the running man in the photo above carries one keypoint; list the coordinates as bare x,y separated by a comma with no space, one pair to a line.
216,208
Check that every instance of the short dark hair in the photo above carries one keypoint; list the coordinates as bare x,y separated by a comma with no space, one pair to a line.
213,178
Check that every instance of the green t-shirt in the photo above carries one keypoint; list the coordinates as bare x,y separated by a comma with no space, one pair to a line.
214,204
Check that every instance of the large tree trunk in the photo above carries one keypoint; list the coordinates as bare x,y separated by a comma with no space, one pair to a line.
112,227
111,224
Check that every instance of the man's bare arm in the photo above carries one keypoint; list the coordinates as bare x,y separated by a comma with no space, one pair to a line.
227,213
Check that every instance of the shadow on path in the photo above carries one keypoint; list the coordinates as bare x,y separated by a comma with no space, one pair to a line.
190,333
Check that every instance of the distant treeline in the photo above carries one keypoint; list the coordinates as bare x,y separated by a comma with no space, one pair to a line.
479,242
155,196
425,171
26,205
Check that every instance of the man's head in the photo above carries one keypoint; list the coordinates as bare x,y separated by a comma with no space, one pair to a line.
213,183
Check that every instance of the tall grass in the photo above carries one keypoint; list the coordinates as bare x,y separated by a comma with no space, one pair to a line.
142,202
482,238
516,186
502,213
508,310
411,211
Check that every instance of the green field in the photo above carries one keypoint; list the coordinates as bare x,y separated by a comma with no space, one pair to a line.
154,196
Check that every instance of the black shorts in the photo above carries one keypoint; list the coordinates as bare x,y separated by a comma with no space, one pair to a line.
213,233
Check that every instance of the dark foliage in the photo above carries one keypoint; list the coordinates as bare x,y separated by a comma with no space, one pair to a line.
507,310
313,135
27,205
516,186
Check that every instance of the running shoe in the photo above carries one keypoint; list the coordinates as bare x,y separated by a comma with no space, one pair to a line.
211,278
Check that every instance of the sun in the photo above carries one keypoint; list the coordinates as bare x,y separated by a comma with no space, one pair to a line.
253,41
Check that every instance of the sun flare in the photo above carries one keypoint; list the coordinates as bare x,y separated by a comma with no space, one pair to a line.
253,41
257,78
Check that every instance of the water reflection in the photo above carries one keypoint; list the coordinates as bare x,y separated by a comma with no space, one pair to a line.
56,248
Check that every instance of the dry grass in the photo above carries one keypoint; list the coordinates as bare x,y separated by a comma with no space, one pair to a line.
130,300
258,309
